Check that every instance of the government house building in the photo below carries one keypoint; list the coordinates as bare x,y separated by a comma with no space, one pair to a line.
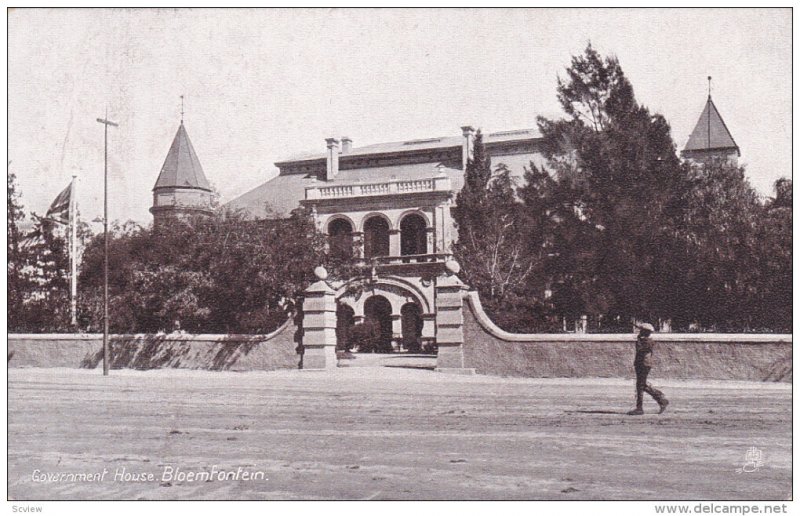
389,205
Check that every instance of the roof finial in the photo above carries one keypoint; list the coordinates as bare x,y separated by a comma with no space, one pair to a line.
709,87
182,108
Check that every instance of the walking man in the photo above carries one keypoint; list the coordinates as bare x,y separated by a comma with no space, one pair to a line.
642,364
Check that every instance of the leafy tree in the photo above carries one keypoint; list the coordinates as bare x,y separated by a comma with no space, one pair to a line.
774,299
38,269
719,247
366,337
17,281
494,260
220,274
44,288
637,233
783,195
619,194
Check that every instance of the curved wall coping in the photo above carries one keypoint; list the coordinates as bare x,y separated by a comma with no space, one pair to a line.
742,338
188,337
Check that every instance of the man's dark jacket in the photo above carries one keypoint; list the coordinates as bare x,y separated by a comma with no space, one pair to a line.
644,352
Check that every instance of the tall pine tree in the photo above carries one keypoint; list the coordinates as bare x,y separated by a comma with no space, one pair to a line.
495,261
618,172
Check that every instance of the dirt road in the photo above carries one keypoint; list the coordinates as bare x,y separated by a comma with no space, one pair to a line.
386,433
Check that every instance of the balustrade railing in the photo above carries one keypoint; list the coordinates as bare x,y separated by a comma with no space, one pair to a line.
410,258
405,186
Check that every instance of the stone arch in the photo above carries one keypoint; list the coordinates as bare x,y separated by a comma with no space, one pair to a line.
414,211
372,214
336,217
400,287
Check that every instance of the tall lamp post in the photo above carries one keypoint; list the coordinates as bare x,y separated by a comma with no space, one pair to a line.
105,123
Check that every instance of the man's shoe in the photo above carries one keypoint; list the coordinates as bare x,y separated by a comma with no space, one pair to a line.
636,412
663,405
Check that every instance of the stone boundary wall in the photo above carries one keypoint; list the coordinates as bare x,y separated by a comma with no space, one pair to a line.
276,350
718,356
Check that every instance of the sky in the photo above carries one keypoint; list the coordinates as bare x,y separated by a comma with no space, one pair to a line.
263,85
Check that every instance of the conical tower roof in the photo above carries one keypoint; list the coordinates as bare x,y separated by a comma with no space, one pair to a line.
182,169
711,133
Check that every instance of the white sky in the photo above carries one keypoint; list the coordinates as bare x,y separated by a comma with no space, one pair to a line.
262,85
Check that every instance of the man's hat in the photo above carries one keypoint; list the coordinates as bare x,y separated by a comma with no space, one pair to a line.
646,326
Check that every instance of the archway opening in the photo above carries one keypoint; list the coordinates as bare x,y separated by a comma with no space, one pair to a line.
378,322
413,235
340,239
345,319
411,318
376,237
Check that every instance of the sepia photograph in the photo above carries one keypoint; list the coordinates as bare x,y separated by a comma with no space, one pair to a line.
400,254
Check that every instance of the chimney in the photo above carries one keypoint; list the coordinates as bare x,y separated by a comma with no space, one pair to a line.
469,137
333,159
347,145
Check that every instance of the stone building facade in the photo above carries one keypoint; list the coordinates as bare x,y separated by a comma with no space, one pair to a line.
387,205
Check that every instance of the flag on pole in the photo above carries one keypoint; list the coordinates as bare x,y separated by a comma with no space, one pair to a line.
63,210
31,239
59,210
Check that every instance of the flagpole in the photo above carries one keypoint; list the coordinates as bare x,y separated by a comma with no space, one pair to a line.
105,123
73,253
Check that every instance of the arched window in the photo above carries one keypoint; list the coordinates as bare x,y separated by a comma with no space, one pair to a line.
413,235
340,238
376,237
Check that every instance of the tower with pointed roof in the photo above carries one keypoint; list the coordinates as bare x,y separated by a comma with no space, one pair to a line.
711,139
182,188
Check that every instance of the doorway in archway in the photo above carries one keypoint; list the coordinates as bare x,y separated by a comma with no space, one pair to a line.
378,313
345,318
411,319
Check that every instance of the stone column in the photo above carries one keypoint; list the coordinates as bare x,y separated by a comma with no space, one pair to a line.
429,326
430,236
319,324
428,329
358,245
439,228
450,322
397,331
394,242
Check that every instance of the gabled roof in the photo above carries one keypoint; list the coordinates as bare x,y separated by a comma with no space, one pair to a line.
710,132
182,169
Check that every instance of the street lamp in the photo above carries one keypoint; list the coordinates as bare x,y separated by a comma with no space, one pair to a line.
105,123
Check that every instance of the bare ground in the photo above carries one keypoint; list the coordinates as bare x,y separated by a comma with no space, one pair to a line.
389,433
